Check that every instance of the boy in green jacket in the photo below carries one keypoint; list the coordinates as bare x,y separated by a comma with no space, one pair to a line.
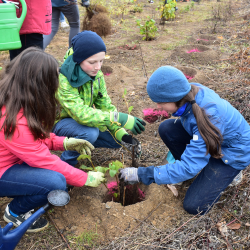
86,109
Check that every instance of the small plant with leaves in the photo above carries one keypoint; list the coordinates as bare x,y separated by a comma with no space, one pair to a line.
137,8
167,10
148,29
113,170
130,108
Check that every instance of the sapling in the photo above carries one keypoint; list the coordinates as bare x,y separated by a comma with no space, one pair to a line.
112,169
148,29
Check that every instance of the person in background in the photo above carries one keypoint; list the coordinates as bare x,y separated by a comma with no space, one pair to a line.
86,109
36,24
28,171
70,10
63,21
209,138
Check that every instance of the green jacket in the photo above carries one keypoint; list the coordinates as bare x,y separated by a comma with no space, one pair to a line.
88,103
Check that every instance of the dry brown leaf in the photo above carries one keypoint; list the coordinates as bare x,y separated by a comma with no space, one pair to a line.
173,189
222,227
247,224
234,226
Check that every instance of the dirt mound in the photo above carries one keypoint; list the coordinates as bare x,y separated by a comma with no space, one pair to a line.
204,40
87,211
194,54
97,20
193,75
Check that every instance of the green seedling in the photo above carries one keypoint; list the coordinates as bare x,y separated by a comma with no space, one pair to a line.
167,10
113,170
126,101
148,29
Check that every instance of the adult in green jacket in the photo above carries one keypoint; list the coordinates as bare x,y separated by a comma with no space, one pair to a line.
86,111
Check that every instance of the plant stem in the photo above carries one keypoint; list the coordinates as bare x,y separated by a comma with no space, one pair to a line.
118,187
124,195
92,164
143,61
105,185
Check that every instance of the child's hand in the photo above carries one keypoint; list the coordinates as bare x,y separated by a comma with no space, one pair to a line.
129,175
134,124
83,147
94,179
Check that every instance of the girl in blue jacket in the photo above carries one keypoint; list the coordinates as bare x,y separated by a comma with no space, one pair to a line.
209,138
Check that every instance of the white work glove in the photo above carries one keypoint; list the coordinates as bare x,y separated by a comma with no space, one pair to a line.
129,175
95,179
83,147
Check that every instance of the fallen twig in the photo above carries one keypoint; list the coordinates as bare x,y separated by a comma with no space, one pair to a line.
59,231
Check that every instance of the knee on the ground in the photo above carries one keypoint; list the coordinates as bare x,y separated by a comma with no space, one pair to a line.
192,207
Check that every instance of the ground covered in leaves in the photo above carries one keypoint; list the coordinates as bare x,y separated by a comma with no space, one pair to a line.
209,42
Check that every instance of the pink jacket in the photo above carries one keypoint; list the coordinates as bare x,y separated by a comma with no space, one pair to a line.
38,17
23,148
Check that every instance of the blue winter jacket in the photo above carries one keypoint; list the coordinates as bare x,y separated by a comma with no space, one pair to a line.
235,146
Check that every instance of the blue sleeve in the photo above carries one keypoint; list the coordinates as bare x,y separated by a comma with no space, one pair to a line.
193,160
146,175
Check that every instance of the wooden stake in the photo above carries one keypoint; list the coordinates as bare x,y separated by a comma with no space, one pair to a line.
124,195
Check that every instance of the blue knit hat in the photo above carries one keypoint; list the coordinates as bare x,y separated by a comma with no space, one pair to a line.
86,44
167,84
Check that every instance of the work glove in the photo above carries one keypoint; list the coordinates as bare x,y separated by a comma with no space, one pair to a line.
134,124
85,3
95,179
83,147
129,175
128,142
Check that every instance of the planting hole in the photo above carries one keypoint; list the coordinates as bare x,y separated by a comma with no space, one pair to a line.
107,70
133,194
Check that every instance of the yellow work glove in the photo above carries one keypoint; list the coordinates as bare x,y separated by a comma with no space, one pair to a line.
95,179
83,147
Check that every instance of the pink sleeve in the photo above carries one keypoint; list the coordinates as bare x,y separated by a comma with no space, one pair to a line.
37,154
54,142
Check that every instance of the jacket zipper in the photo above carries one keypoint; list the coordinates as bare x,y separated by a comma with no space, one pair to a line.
177,119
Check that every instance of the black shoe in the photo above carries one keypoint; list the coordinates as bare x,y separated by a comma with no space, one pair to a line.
38,225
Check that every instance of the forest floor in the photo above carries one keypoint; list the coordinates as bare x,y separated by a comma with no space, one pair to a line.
221,32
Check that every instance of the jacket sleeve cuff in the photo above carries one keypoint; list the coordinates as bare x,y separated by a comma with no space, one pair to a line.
120,133
146,175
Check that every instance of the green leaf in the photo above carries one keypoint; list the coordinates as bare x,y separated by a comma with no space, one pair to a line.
125,92
1,68
130,109
101,169
112,173
117,164
115,195
85,167
82,157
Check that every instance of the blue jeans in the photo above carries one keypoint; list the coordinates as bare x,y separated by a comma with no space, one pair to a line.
62,17
29,186
211,181
70,128
72,14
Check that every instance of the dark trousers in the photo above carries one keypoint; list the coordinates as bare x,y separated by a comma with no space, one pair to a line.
27,40
211,181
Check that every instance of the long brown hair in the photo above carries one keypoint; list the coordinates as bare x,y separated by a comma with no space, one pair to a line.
29,83
209,132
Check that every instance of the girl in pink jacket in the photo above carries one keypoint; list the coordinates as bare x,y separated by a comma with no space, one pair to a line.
28,171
